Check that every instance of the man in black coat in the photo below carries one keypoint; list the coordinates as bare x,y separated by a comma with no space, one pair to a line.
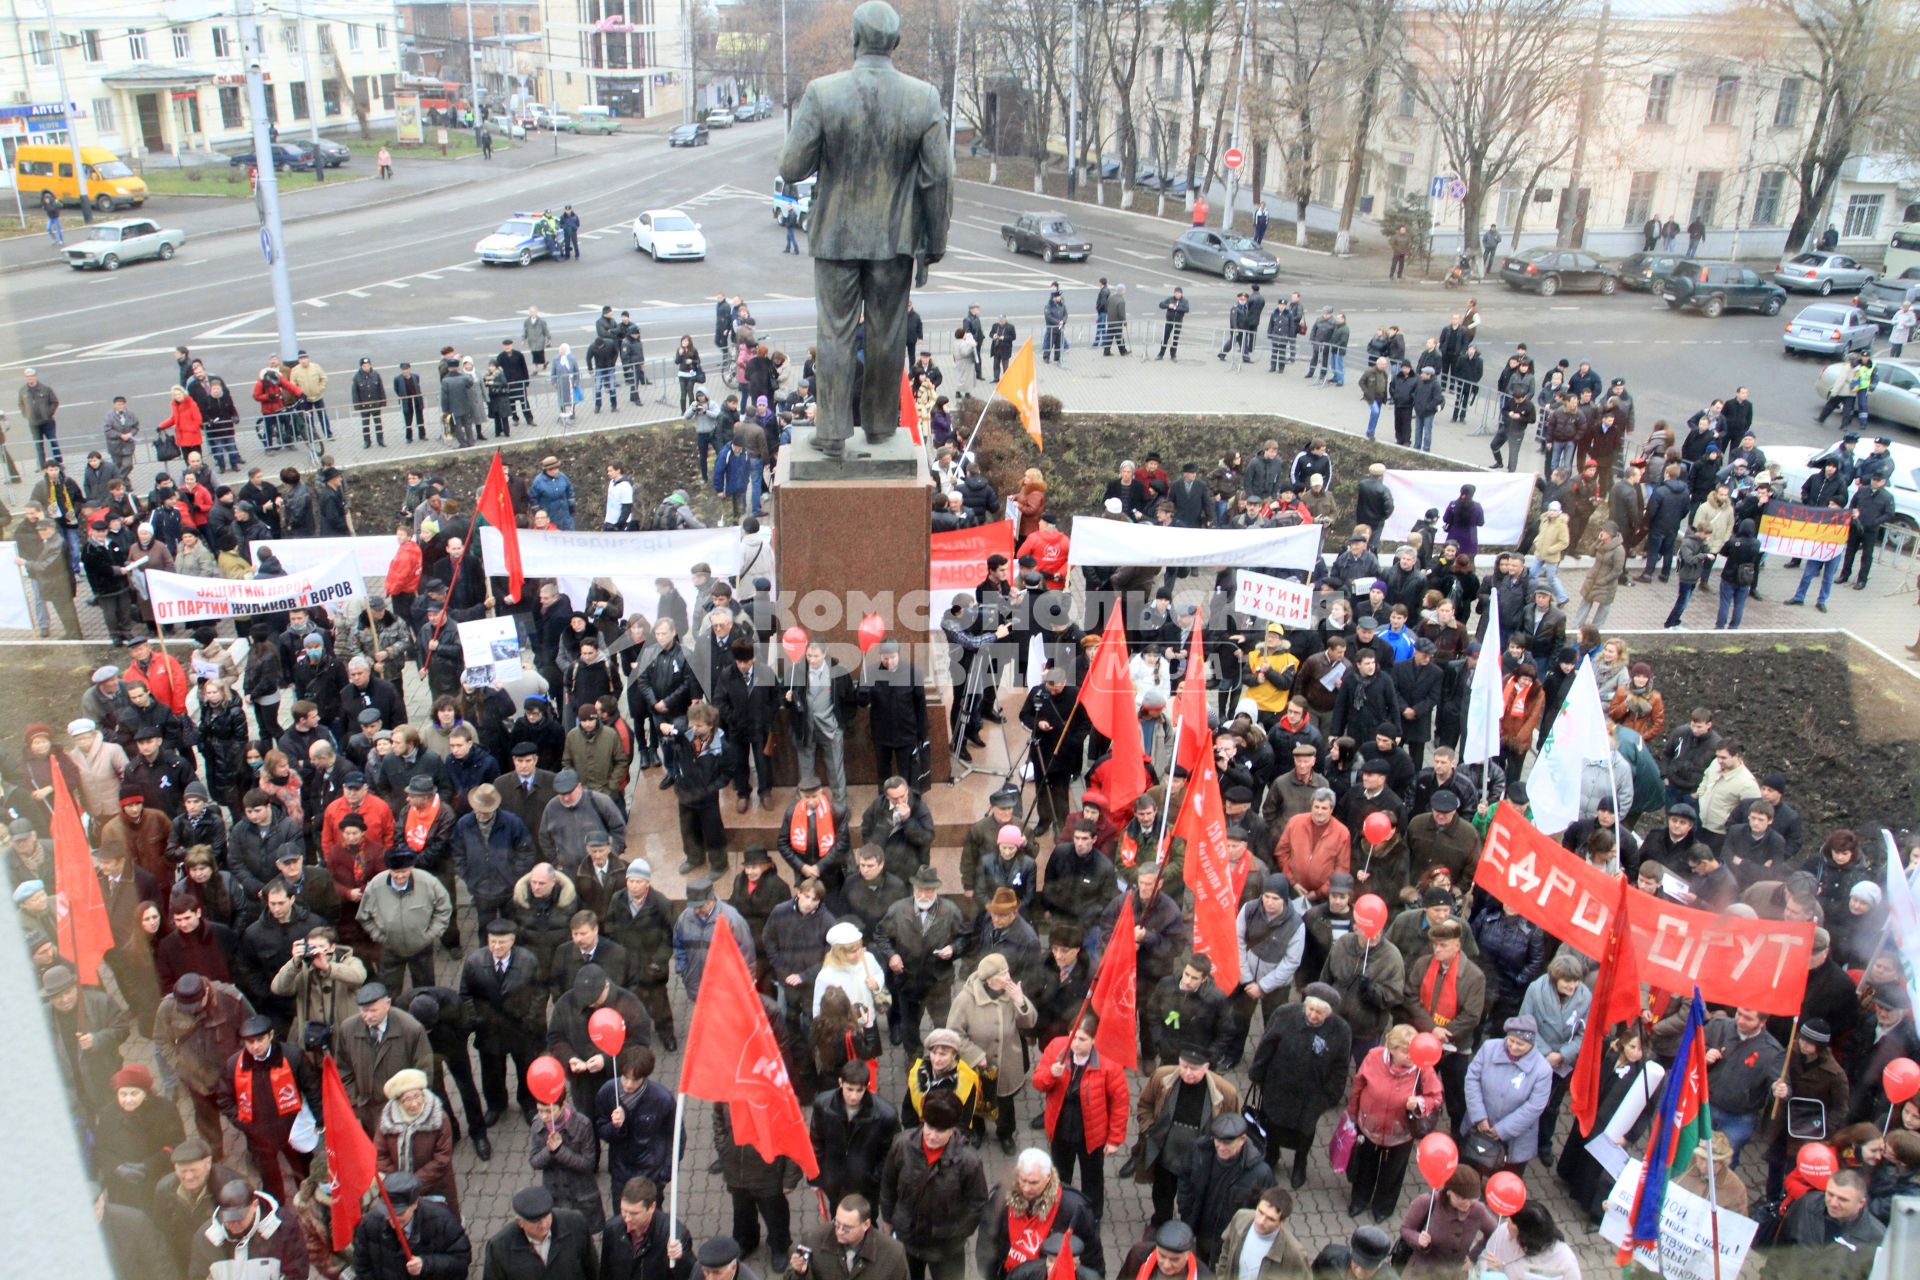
896,703
502,999
525,791
1372,503
1034,1190
1418,681
642,1243
1223,1176
511,1255
1187,1011
852,1127
748,697
433,1234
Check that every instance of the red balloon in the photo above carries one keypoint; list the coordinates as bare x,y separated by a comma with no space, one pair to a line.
1378,828
873,629
1425,1050
1438,1158
794,643
547,1078
1901,1080
608,1031
1506,1194
1370,916
1816,1163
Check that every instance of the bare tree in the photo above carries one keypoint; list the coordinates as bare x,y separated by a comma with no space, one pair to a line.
1305,39
1375,36
1487,73
1123,32
1196,25
1029,39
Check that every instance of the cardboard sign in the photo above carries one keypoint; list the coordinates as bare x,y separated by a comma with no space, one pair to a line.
1686,1231
1261,595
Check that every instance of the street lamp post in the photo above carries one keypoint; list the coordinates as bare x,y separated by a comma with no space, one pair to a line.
273,242
66,115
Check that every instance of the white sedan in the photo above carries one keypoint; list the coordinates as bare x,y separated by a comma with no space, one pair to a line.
1905,485
668,234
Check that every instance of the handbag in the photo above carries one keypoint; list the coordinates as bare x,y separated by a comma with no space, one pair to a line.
1340,1150
1255,1116
165,447
1483,1151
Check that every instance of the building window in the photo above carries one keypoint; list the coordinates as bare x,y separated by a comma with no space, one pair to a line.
380,35
273,104
387,86
1726,99
1659,98
290,38
1405,106
136,46
353,36
1863,217
182,43
1159,69
298,92
230,117
223,45
526,26
360,89
37,48
1640,197
1766,198
329,97
1706,196
102,109
1396,180
1786,108
90,46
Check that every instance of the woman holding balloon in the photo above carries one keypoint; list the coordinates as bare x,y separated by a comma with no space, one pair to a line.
1527,1246
1448,1227
1392,1097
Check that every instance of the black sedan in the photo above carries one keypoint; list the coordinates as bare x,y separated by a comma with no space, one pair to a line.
1548,271
689,135
286,155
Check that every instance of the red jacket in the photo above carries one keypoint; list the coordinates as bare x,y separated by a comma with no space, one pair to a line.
378,816
403,574
1049,551
1103,1095
272,399
185,422
165,679
1378,1102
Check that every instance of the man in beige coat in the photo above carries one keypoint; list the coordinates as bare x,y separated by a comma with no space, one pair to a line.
1264,1231
988,1014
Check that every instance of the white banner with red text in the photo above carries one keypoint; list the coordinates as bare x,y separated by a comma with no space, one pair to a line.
180,598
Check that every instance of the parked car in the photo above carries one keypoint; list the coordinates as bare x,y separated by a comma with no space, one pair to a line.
720,118
1234,257
1047,234
1151,179
591,124
689,135
797,196
110,244
514,240
1548,271
1821,273
1894,396
1884,295
1795,467
291,156
333,154
1716,287
668,234
1830,329
1642,271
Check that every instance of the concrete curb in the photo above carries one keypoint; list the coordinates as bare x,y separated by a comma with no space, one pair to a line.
315,216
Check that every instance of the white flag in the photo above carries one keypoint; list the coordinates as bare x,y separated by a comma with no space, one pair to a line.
1903,914
1036,658
1578,734
1484,702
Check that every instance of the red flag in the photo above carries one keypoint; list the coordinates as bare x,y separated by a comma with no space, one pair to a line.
1216,901
1190,705
496,505
909,407
1108,699
732,1057
1616,999
1063,1267
1113,996
86,935
350,1160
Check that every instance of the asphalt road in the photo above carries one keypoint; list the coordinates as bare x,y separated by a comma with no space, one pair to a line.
399,281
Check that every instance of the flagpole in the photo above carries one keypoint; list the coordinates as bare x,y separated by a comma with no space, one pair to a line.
1713,1196
1773,1106
673,1174
978,423
1166,798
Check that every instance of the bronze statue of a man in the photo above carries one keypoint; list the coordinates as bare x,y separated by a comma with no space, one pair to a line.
877,141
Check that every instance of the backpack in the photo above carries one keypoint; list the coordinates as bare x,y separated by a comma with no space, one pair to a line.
665,516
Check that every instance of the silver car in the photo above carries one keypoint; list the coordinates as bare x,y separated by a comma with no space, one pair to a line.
1821,273
1893,397
1234,257
1831,329
108,245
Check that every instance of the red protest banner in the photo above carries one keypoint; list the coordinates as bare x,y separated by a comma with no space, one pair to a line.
1756,964
959,558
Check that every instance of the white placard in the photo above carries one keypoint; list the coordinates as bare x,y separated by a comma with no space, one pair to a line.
492,646
16,609
1262,595
1116,542
182,598
1686,1231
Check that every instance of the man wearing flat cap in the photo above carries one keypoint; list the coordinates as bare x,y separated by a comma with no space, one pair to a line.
373,1044
1167,1254
1891,1036
247,1225
265,1086
1224,1172
569,1039
404,912
1362,1257
541,1243
433,1232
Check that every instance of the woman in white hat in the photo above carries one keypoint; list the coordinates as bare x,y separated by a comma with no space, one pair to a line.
850,967
415,1136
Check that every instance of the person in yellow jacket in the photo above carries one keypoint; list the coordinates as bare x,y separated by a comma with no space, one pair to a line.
1269,671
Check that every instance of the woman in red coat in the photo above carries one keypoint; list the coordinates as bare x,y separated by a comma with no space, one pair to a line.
1522,701
1030,502
183,420
1086,1108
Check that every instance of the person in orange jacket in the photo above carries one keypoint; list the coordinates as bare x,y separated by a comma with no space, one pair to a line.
1087,1107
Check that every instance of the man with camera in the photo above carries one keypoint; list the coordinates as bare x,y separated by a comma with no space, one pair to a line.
846,1247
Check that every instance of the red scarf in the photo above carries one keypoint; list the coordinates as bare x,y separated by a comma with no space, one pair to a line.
420,824
1444,1003
822,811
286,1094
1517,691
1150,1269
1026,1233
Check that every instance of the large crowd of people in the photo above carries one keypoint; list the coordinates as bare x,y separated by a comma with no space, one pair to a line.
290,825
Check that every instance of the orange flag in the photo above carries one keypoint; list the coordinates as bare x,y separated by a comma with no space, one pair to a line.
1022,390
909,407
350,1158
497,506
732,1057
1216,899
86,934
1114,997
1107,697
